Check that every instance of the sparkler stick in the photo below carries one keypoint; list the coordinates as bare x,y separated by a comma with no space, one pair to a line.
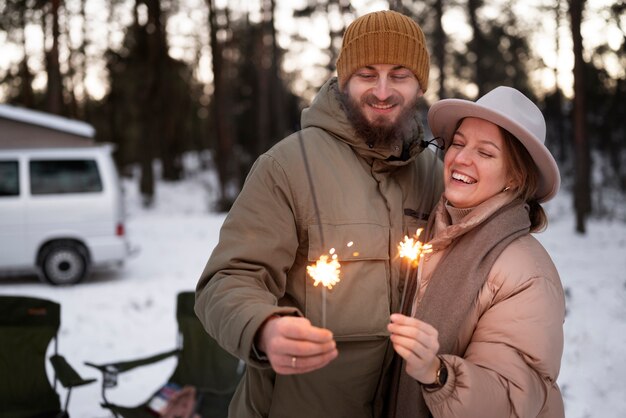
319,223
324,307
406,284
310,179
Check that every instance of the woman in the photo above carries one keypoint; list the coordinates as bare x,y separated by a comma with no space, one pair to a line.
484,337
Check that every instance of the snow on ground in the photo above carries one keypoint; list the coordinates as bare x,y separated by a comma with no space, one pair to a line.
130,312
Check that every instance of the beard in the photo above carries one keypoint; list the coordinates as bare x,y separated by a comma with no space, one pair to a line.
382,131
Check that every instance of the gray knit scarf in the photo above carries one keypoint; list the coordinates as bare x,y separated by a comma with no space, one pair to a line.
451,293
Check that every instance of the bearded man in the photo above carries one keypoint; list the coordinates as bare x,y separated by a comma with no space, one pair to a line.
357,172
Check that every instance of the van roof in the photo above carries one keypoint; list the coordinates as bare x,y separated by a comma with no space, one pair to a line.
47,120
26,128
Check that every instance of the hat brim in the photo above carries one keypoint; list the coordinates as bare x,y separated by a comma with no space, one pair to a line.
444,116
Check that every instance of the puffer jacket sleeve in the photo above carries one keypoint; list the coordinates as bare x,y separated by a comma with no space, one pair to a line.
513,359
246,273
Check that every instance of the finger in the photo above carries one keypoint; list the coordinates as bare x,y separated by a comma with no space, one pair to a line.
295,336
402,320
282,351
417,349
407,331
426,337
299,365
397,318
416,346
301,348
417,336
315,362
404,352
301,329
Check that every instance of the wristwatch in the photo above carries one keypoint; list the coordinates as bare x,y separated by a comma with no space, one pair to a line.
441,377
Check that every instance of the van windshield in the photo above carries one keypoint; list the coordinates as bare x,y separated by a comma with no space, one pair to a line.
64,176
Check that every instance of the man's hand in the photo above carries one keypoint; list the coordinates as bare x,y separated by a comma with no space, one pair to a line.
294,346
417,343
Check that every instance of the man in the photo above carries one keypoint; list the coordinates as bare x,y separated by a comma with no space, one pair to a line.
357,172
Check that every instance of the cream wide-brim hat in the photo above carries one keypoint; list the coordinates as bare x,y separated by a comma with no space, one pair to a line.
511,110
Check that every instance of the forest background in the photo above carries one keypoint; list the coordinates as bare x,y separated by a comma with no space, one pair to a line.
228,79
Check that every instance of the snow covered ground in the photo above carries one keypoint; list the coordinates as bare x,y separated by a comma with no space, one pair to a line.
128,313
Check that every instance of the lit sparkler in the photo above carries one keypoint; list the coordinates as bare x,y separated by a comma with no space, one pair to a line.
326,271
413,250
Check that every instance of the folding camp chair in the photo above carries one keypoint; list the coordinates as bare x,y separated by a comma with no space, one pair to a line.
202,364
27,326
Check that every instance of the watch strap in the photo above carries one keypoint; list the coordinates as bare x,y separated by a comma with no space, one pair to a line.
440,378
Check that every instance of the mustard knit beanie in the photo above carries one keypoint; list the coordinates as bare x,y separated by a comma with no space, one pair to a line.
384,37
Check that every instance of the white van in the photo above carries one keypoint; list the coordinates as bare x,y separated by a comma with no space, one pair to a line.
61,207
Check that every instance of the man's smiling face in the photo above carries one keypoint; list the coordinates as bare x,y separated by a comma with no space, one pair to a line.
380,101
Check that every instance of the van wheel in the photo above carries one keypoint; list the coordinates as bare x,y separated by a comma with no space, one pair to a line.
64,263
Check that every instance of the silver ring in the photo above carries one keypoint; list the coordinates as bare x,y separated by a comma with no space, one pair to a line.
293,362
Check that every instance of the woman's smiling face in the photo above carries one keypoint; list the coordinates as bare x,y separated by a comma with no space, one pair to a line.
475,166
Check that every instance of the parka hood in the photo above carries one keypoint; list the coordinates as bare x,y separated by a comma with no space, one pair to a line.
326,112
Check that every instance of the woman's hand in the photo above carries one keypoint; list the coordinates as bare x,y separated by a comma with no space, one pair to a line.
417,343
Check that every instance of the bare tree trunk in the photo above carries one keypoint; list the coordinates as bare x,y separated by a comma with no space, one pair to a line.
278,90
151,105
335,34
71,103
26,95
222,110
476,45
561,156
82,49
26,87
440,48
395,5
398,6
199,124
264,67
55,82
112,98
582,190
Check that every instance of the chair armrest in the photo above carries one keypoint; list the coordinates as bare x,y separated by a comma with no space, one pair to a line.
124,366
66,374
111,370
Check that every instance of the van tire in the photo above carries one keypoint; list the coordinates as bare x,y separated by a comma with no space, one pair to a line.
64,263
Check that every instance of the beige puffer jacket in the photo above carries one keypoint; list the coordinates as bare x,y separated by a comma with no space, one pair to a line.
515,331
365,195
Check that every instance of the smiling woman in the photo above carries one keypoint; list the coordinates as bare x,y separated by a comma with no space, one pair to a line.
488,308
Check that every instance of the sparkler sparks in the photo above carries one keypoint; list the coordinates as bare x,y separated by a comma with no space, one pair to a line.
325,270
412,250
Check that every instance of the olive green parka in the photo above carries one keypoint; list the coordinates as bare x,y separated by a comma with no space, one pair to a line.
367,195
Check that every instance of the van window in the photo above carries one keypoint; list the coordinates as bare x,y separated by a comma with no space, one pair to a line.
64,176
9,179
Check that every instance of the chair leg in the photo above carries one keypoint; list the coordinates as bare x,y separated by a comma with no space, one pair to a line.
106,401
67,400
